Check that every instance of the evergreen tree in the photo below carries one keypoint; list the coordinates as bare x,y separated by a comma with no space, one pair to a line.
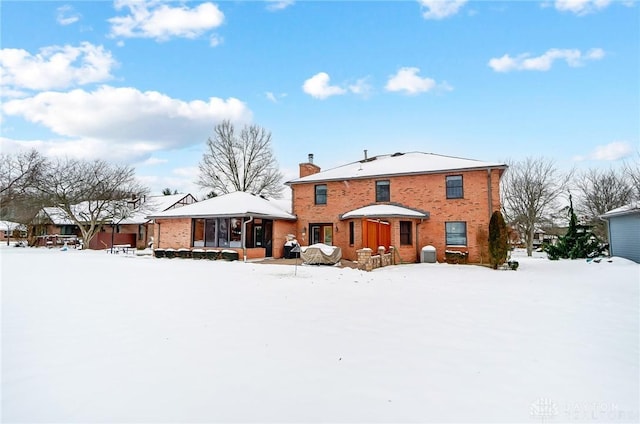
577,243
498,240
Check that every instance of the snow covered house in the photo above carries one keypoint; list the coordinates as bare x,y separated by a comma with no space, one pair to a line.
54,226
405,200
10,229
624,231
251,225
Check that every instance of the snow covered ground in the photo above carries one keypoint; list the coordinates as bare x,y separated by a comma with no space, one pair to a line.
93,337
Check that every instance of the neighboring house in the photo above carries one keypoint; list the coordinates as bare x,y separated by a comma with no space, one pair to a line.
624,231
405,200
251,225
9,230
55,226
138,227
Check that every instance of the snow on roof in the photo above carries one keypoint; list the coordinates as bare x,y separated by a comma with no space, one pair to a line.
11,226
58,216
397,164
384,211
633,207
232,204
153,205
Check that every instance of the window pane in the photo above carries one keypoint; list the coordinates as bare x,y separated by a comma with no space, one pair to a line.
405,232
321,194
456,233
382,191
223,232
210,232
454,187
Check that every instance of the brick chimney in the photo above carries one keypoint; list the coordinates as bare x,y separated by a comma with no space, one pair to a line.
309,167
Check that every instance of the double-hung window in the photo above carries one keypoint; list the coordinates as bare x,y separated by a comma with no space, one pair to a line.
454,187
456,233
405,232
383,194
321,194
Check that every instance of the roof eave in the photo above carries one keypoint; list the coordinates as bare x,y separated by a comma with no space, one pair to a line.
365,177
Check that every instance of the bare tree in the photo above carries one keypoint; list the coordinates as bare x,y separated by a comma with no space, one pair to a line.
92,194
240,162
20,175
529,192
599,192
632,172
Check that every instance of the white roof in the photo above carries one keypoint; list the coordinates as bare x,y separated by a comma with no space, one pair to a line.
10,225
153,205
386,211
238,203
633,207
397,164
58,216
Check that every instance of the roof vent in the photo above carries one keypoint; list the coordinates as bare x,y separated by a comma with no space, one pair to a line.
397,154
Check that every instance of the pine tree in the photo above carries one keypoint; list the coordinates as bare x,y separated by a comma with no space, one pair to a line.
577,243
498,240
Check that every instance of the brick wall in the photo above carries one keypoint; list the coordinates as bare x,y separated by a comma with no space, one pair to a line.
425,192
172,233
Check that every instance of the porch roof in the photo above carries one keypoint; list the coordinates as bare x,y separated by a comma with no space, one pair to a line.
228,205
385,211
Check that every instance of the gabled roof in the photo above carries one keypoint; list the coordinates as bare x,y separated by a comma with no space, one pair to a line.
631,208
234,204
156,204
384,211
150,205
57,216
397,164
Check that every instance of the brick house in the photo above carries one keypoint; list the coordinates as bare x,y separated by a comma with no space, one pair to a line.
405,200
54,226
250,225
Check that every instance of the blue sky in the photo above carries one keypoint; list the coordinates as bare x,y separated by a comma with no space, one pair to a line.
145,82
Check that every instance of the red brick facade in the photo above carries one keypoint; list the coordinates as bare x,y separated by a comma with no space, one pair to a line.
425,192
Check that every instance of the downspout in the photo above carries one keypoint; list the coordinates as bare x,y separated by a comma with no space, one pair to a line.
489,193
244,238
158,235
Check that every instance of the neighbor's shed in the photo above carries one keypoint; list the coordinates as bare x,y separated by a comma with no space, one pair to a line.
624,231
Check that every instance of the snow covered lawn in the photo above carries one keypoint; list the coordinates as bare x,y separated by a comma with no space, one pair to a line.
93,337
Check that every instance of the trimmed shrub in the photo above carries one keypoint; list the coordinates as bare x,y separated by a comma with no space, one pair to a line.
198,254
159,253
230,255
498,240
170,253
184,253
213,254
513,265
455,257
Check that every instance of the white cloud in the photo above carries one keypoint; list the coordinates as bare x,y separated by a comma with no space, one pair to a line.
524,62
407,80
66,15
274,5
440,9
361,87
581,7
609,152
157,20
318,86
153,161
124,123
215,40
55,67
